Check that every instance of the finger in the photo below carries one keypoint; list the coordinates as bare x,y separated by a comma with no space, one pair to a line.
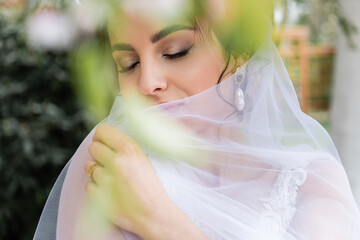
97,196
111,137
102,154
98,174
89,164
93,188
90,188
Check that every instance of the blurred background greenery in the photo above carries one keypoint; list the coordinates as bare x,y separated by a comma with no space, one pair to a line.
44,116
41,125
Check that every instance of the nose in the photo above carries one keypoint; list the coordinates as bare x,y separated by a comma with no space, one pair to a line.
152,80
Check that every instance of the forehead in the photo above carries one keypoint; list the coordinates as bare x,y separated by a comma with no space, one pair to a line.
127,27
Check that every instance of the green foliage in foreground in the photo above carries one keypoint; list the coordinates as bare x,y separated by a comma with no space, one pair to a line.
41,125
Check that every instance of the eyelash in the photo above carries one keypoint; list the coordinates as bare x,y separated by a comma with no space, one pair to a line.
167,56
178,54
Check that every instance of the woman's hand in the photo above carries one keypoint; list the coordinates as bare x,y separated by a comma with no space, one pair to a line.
131,190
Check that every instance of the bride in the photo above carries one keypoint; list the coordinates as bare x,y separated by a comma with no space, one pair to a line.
220,150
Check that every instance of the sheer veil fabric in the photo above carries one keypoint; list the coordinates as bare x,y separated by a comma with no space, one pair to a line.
269,171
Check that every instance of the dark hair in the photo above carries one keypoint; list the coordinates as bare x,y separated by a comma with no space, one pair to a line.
240,42
228,52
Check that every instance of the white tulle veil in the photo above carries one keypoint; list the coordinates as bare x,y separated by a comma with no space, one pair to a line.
268,171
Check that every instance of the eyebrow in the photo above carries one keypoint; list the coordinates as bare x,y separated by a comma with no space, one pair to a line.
168,30
154,38
122,47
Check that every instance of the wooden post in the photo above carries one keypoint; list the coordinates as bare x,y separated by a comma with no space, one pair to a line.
286,38
304,66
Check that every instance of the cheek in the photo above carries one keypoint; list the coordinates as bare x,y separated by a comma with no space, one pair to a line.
127,84
202,75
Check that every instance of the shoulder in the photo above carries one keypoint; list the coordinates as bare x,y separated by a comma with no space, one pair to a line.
326,179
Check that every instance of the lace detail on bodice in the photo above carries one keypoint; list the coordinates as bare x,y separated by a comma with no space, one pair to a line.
280,205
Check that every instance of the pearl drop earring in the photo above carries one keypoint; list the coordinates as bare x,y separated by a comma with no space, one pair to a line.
239,94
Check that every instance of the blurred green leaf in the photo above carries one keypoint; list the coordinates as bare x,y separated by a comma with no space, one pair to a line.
95,79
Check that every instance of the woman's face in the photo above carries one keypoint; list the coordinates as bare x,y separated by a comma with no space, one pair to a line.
164,62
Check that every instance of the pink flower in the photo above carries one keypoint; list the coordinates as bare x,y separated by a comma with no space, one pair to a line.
50,29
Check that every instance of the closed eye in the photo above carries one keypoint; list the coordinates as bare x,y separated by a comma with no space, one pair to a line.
167,56
178,54
126,69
